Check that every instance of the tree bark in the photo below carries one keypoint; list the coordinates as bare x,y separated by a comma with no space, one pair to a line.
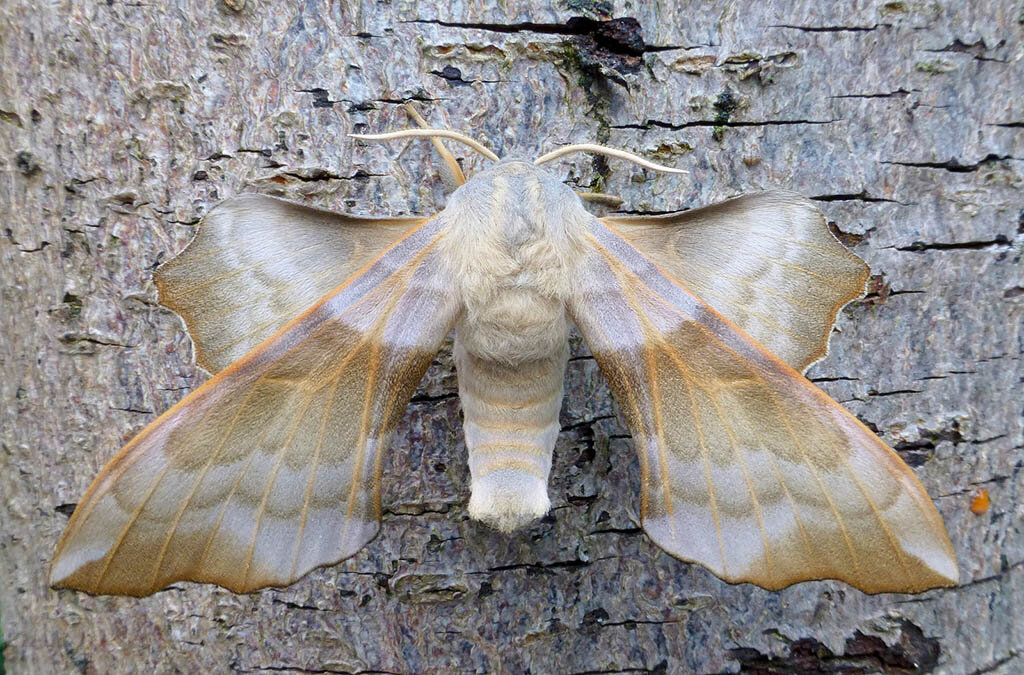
121,124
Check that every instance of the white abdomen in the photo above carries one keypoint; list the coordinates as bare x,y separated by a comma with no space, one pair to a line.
515,237
511,425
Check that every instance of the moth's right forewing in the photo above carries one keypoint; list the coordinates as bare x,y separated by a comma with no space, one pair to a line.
272,467
747,468
258,262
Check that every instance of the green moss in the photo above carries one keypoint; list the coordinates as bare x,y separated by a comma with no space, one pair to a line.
895,8
10,118
572,60
935,67
668,150
598,8
725,104
576,67
74,305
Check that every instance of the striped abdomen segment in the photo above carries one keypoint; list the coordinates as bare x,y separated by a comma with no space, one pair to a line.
511,424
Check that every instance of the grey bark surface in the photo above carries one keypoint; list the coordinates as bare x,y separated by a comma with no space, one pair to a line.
121,124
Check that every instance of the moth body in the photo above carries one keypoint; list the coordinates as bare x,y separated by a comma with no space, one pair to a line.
514,235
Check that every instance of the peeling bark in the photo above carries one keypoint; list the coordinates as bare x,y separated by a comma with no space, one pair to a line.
121,124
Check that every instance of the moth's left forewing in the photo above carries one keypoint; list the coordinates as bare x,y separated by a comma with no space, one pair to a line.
272,467
748,469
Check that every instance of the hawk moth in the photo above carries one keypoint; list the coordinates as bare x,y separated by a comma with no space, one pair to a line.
319,326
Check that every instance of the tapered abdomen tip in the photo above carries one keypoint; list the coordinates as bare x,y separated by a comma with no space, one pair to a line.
508,499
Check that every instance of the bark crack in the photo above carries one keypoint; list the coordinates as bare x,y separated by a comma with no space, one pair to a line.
832,29
620,35
899,93
648,124
299,669
998,663
861,196
1006,569
953,165
999,241
76,337
913,651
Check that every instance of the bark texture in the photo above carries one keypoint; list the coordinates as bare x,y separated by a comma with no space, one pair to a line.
122,123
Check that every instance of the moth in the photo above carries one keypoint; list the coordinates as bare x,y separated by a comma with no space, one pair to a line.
319,326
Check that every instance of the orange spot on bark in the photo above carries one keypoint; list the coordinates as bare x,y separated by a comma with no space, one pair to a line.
980,502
